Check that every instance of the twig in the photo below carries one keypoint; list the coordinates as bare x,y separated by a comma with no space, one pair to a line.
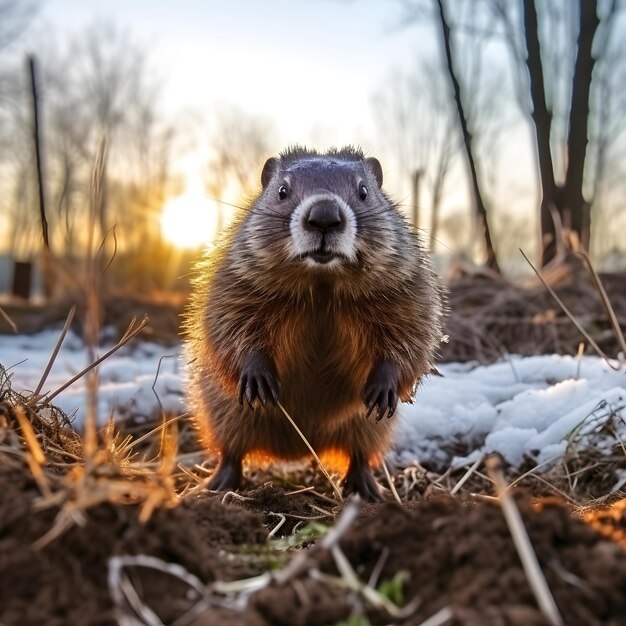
315,456
532,471
608,307
466,476
392,487
524,548
281,521
47,399
301,561
53,356
439,618
8,320
156,378
123,591
567,312
378,568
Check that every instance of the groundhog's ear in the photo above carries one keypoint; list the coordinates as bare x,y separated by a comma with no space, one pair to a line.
377,170
271,165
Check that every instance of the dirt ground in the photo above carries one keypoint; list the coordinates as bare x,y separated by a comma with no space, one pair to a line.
443,554
259,558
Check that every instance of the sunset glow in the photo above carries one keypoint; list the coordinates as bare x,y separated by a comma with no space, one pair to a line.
189,220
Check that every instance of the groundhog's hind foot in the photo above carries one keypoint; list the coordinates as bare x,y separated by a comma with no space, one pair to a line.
359,480
227,476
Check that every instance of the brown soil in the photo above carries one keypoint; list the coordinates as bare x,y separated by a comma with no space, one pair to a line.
457,555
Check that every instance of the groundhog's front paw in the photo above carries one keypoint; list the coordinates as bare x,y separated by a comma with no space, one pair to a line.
258,380
381,390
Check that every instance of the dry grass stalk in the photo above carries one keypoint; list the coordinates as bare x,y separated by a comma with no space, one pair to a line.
112,476
5,316
569,314
392,487
83,488
35,456
439,618
524,548
92,300
608,307
315,456
349,580
120,344
466,476
53,356
126,597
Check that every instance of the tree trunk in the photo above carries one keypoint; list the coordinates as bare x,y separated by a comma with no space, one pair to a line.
482,225
575,209
542,122
567,202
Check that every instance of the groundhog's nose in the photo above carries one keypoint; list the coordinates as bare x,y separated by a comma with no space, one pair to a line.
325,216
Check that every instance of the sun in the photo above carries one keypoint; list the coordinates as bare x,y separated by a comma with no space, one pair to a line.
189,220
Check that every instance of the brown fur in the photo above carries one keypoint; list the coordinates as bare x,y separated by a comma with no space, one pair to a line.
324,331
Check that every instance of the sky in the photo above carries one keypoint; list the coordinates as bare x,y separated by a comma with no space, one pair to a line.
310,66
312,69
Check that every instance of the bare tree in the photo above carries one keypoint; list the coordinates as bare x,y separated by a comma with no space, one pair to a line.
420,131
480,206
561,80
240,142
98,85
107,93
567,201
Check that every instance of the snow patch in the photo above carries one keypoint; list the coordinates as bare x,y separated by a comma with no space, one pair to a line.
522,407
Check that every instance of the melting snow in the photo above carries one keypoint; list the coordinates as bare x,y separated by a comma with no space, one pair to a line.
522,407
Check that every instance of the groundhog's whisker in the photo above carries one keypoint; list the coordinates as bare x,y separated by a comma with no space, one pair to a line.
310,447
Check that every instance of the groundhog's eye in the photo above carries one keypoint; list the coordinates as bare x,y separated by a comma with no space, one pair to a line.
362,191
283,192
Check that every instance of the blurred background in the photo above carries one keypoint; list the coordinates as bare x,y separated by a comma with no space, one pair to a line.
131,131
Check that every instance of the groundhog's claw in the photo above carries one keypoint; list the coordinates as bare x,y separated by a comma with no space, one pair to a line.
258,380
381,390
359,480
227,477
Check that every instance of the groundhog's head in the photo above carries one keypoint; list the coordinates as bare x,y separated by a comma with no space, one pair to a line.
324,214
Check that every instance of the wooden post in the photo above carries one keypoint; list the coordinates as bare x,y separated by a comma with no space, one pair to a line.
22,279
47,268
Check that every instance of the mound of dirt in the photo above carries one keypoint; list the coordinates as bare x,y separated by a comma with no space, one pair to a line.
461,556
491,316
65,582
456,555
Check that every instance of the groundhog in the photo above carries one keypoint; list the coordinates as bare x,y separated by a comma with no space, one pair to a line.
320,298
